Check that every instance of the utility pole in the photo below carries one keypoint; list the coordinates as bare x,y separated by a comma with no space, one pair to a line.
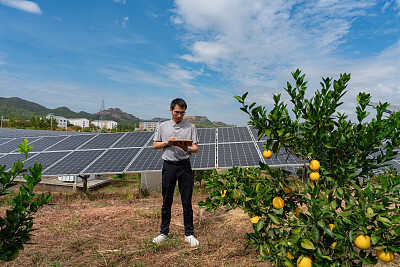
101,115
1,121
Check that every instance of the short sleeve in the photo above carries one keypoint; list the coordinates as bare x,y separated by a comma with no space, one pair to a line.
157,136
195,138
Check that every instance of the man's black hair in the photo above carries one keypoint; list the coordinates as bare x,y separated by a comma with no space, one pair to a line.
178,102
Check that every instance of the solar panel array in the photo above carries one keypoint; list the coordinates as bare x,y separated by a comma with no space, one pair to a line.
71,153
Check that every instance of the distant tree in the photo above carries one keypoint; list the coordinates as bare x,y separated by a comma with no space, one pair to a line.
11,121
33,123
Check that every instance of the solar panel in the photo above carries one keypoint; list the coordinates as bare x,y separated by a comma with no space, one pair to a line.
132,152
238,154
233,134
9,159
135,139
281,159
148,160
71,142
74,163
46,142
102,141
12,145
15,133
205,158
46,159
5,140
113,161
206,136
254,131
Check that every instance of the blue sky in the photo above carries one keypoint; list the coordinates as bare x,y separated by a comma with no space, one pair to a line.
139,55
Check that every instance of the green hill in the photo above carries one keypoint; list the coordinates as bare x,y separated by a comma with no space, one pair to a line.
23,109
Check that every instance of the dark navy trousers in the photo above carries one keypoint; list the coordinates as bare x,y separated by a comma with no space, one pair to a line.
171,173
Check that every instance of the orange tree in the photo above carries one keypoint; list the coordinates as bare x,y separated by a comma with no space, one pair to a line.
341,212
17,225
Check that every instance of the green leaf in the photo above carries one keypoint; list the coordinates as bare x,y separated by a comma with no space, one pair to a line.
385,221
274,218
325,227
260,225
307,244
315,233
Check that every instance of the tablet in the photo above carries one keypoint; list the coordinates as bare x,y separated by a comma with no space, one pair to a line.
179,141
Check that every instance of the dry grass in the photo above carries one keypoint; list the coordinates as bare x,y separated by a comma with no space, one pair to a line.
115,225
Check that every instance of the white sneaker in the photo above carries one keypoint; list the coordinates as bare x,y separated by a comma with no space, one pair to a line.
192,241
159,239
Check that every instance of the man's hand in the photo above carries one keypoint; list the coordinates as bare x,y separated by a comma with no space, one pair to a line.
181,145
171,139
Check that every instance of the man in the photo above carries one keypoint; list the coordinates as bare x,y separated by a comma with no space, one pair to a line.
176,167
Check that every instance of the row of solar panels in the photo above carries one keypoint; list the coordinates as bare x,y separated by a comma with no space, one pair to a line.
76,154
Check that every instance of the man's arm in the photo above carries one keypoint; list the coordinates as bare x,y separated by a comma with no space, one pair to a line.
194,148
159,144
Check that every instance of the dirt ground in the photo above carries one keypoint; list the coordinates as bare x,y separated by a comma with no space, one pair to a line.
114,226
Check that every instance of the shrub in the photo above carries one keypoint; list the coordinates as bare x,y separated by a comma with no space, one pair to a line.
343,203
17,225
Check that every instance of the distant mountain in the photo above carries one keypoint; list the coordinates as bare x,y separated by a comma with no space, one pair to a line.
203,122
24,109
118,114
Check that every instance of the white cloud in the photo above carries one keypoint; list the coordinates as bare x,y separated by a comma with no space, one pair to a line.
385,6
123,2
256,44
123,23
58,18
27,6
170,76
128,75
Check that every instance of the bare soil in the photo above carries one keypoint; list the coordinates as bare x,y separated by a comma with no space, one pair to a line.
114,226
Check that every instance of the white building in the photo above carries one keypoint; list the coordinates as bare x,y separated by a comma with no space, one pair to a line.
149,125
61,121
80,122
105,124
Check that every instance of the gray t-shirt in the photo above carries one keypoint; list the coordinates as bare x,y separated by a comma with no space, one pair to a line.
183,130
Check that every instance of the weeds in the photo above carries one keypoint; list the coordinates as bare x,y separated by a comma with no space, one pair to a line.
152,213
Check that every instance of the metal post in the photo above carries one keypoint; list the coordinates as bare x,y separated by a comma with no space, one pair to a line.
84,178
1,121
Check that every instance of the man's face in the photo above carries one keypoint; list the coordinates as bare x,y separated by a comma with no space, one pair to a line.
177,113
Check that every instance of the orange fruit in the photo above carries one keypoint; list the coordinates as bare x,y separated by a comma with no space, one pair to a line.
362,241
314,165
288,191
223,193
333,245
385,257
259,251
314,176
267,154
297,211
331,226
278,203
255,219
304,262
289,255
14,255
238,193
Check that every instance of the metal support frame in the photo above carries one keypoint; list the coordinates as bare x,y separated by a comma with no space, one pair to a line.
85,180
